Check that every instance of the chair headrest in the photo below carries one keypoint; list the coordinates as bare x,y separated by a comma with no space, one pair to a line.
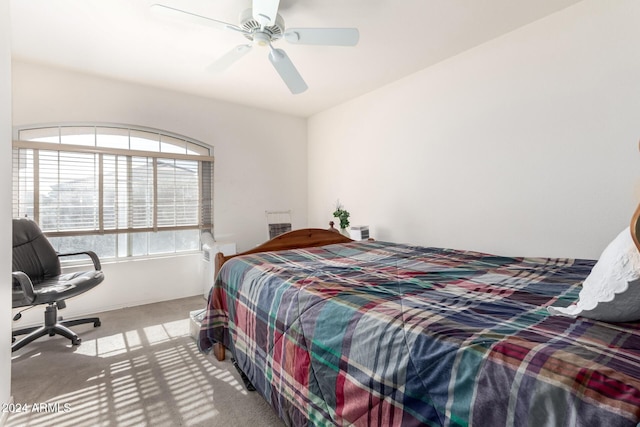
25,230
32,252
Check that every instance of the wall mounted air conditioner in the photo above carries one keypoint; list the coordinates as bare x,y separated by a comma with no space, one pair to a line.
278,222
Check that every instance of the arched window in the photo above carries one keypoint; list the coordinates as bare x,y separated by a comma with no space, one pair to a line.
122,190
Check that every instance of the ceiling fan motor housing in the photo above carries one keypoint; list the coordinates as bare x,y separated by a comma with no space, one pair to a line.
249,24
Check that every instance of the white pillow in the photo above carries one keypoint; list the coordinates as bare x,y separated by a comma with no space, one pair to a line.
611,292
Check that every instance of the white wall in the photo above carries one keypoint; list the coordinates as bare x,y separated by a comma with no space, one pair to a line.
5,208
260,165
526,145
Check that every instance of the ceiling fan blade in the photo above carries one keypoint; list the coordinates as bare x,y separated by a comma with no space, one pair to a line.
173,13
287,71
265,11
229,58
323,36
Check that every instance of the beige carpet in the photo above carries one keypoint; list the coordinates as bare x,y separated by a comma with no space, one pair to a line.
140,368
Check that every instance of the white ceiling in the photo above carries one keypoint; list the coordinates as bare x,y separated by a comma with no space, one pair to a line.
122,39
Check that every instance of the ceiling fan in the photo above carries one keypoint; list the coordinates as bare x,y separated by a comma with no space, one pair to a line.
262,26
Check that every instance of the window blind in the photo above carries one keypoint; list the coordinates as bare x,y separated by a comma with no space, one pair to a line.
72,190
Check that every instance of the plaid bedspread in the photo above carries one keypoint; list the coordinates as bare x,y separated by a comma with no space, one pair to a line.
381,334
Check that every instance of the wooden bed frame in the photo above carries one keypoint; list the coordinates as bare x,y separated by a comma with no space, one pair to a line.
303,238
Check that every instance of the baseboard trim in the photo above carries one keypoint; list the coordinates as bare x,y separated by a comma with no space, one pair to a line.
4,417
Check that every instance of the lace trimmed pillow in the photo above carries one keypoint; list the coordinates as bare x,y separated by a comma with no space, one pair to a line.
611,292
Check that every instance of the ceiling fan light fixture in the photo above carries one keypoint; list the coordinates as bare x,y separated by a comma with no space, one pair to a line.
261,39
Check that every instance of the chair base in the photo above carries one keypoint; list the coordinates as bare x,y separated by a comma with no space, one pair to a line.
51,327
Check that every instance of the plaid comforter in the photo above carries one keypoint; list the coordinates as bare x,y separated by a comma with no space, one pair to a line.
374,333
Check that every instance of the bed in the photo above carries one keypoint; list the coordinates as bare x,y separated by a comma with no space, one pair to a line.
337,332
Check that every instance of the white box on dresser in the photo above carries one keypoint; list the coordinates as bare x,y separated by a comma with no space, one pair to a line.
359,232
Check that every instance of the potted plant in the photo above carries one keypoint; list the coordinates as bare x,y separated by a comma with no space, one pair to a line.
343,216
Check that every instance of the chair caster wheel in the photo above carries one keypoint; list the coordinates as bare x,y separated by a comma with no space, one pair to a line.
76,341
96,324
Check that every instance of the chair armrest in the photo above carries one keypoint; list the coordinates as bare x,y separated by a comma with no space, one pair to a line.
91,254
27,286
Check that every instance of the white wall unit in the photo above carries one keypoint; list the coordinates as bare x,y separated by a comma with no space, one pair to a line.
525,145
208,263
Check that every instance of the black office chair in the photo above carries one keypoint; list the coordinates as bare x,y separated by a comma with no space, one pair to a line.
38,279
